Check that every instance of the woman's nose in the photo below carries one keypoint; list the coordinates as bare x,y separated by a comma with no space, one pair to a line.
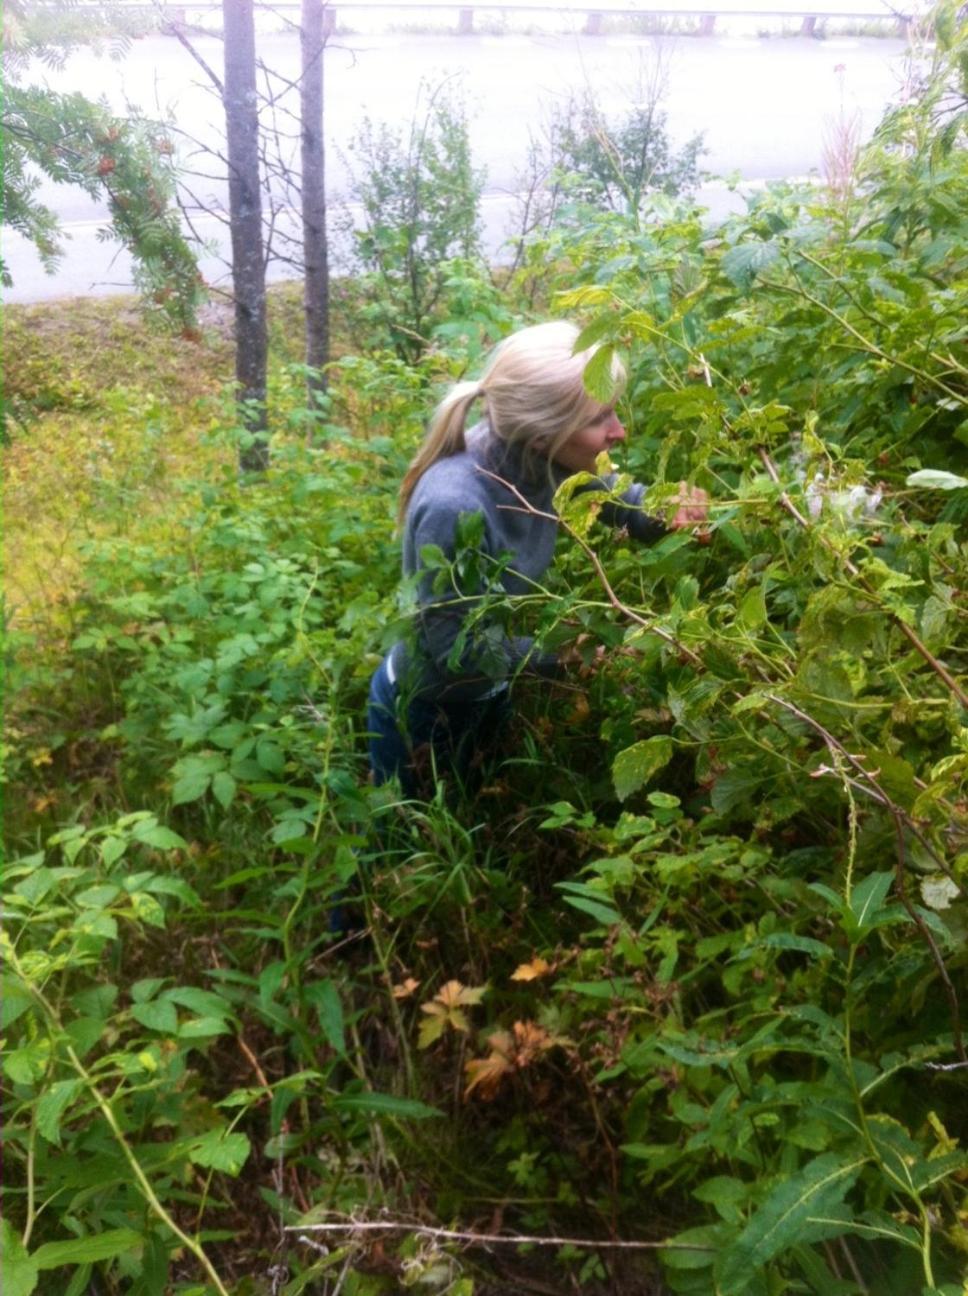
616,432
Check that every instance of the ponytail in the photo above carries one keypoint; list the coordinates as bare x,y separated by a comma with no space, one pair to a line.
534,386
445,437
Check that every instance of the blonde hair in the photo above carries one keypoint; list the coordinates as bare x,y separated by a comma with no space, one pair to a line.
534,398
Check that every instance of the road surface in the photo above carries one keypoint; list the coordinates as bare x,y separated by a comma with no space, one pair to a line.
764,106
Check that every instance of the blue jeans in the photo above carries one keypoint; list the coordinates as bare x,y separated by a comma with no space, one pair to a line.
410,743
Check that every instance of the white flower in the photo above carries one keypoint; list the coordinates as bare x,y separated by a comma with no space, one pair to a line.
814,494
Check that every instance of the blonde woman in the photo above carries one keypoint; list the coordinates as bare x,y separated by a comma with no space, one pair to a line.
464,532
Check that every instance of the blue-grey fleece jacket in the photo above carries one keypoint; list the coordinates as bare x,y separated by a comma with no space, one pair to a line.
458,655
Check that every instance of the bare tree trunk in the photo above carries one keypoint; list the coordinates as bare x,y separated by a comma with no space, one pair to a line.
312,39
245,211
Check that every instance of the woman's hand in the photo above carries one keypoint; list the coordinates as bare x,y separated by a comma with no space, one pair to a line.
693,507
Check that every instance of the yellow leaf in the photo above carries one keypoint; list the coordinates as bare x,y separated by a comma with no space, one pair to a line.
454,993
431,1030
405,989
486,1074
538,967
445,1010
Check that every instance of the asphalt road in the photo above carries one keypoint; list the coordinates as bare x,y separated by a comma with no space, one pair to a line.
764,106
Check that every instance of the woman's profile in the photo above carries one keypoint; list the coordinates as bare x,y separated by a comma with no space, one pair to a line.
466,531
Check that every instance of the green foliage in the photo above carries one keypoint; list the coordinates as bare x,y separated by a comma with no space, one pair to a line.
689,968
420,196
73,140
615,164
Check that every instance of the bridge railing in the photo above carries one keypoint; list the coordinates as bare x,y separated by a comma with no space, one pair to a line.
809,12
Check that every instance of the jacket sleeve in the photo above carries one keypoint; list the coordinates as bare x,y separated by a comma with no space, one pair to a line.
627,512
468,650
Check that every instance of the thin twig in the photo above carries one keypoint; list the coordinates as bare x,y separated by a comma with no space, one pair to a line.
487,1239
178,32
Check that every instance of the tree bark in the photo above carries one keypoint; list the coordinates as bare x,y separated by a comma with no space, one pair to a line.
245,214
312,40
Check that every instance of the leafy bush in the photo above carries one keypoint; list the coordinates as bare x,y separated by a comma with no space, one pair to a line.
687,972
420,196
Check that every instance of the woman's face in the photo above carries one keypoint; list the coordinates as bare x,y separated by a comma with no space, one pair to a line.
583,447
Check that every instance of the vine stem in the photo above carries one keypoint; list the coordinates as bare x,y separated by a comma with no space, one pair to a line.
919,646
107,1112
31,1184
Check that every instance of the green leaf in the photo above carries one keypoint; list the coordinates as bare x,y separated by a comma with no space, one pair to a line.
868,896
80,1280
86,1250
84,1033
636,764
189,787
146,988
270,757
936,479
732,788
595,909
724,1193
742,263
204,1002
26,1064
112,848
878,1224
383,1104
329,1008
802,944
15,1000
833,899
695,1248
51,1106
784,1218
19,1269
98,897
598,377
203,1028
751,613
160,1015
223,788
220,1150
151,833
